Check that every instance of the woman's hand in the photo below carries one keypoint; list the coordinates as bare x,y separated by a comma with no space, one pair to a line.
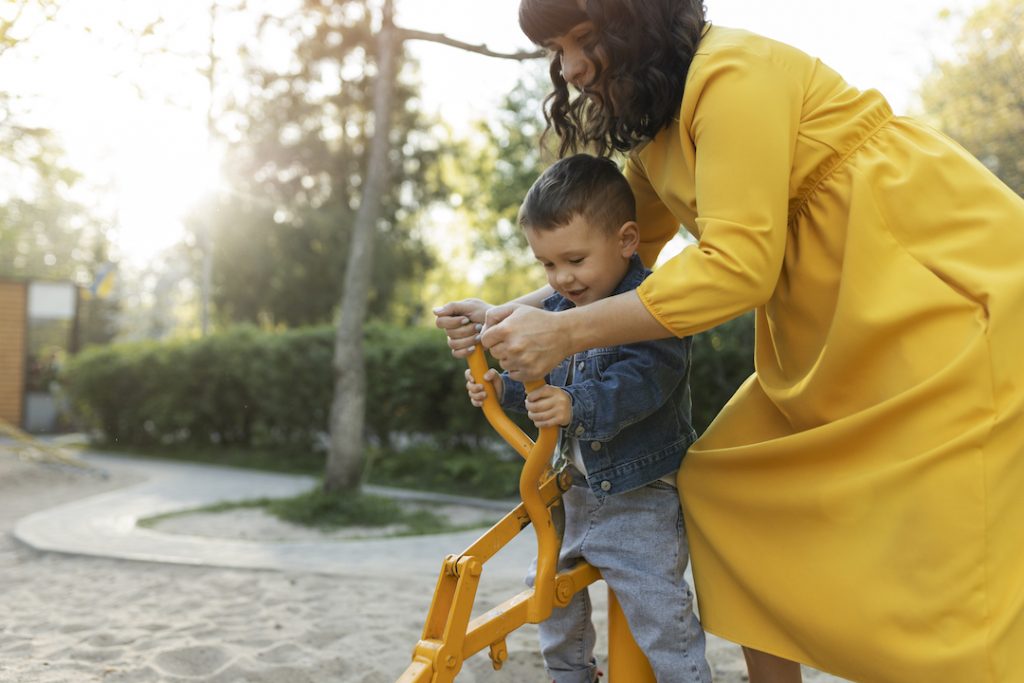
477,393
549,406
462,321
527,341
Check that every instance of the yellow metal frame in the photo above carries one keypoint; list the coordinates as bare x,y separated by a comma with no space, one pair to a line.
27,447
450,636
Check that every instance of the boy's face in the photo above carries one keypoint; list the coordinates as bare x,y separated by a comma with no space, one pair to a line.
583,263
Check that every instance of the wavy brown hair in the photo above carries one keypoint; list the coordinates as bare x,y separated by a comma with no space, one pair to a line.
646,47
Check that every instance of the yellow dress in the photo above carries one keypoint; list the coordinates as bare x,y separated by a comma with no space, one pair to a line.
859,504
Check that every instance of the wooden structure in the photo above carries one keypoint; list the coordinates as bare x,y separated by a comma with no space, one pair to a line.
38,321
13,351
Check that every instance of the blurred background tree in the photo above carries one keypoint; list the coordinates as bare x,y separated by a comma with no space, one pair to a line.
47,230
294,168
977,97
493,174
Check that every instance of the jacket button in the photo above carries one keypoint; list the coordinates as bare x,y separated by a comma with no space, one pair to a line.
579,366
579,430
595,445
606,485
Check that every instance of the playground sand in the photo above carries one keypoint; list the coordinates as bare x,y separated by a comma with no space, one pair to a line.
74,619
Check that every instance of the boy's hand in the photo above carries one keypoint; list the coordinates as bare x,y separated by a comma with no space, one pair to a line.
477,393
549,407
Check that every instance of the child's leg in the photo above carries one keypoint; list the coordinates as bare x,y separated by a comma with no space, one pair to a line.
567,640
567,637
639,544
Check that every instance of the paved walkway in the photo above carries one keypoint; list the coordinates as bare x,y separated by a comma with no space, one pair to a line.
105,525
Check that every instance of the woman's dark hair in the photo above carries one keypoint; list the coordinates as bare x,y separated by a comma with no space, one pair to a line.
646,47
579,185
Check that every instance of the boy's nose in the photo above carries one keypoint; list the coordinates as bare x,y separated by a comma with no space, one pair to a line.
565,277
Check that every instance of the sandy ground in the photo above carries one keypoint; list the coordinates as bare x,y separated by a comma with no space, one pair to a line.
73,619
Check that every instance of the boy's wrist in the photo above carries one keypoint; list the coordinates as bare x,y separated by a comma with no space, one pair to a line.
568,408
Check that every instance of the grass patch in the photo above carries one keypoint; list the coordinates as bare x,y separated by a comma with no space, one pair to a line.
152,522
480,474
330,512
327,511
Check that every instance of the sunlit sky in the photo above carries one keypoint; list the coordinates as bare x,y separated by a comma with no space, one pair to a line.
151,148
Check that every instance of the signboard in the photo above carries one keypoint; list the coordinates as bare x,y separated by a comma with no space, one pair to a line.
51,300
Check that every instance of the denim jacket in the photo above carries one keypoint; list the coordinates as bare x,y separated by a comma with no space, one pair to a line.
630,403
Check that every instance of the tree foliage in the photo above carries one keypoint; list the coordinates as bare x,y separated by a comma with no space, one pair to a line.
978,97
46,231
491,178
295,169
19,19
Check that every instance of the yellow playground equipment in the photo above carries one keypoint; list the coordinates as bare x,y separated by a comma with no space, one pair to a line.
27,447
449,636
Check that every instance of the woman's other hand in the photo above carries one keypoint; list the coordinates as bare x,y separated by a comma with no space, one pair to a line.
462,322
527,341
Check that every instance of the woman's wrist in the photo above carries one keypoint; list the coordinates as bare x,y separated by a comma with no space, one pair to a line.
534,298
620,319
567,327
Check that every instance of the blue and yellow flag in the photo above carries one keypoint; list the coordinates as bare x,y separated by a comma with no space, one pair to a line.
103,284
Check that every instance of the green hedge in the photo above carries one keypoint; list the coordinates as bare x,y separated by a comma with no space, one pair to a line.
272,391
722,359
246,388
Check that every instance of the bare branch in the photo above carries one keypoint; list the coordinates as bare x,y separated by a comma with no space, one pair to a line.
522,55
50,10
5,26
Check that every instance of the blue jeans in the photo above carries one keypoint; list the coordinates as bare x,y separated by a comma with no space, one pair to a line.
638,542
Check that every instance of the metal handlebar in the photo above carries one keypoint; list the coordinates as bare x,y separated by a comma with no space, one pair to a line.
538,457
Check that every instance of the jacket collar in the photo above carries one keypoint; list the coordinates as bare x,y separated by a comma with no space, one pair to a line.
635,274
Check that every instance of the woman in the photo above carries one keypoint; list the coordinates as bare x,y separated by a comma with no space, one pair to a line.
858,504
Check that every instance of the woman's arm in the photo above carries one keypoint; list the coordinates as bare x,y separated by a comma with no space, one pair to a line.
742,111
744,132
462,320
528,342
534,299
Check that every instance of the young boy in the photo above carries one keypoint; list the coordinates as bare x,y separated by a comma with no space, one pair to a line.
625,418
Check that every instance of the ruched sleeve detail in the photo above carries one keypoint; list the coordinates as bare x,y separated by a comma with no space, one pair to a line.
742,111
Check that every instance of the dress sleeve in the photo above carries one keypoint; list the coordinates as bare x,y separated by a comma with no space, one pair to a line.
657,223
513,394
744,122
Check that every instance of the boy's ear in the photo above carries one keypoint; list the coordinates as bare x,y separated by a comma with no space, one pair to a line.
629,238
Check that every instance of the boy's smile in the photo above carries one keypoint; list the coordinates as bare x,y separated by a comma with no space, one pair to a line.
583,262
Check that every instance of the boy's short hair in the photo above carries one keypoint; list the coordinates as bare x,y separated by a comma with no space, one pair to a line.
581,184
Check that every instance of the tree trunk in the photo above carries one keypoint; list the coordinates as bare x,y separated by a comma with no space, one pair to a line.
348,409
